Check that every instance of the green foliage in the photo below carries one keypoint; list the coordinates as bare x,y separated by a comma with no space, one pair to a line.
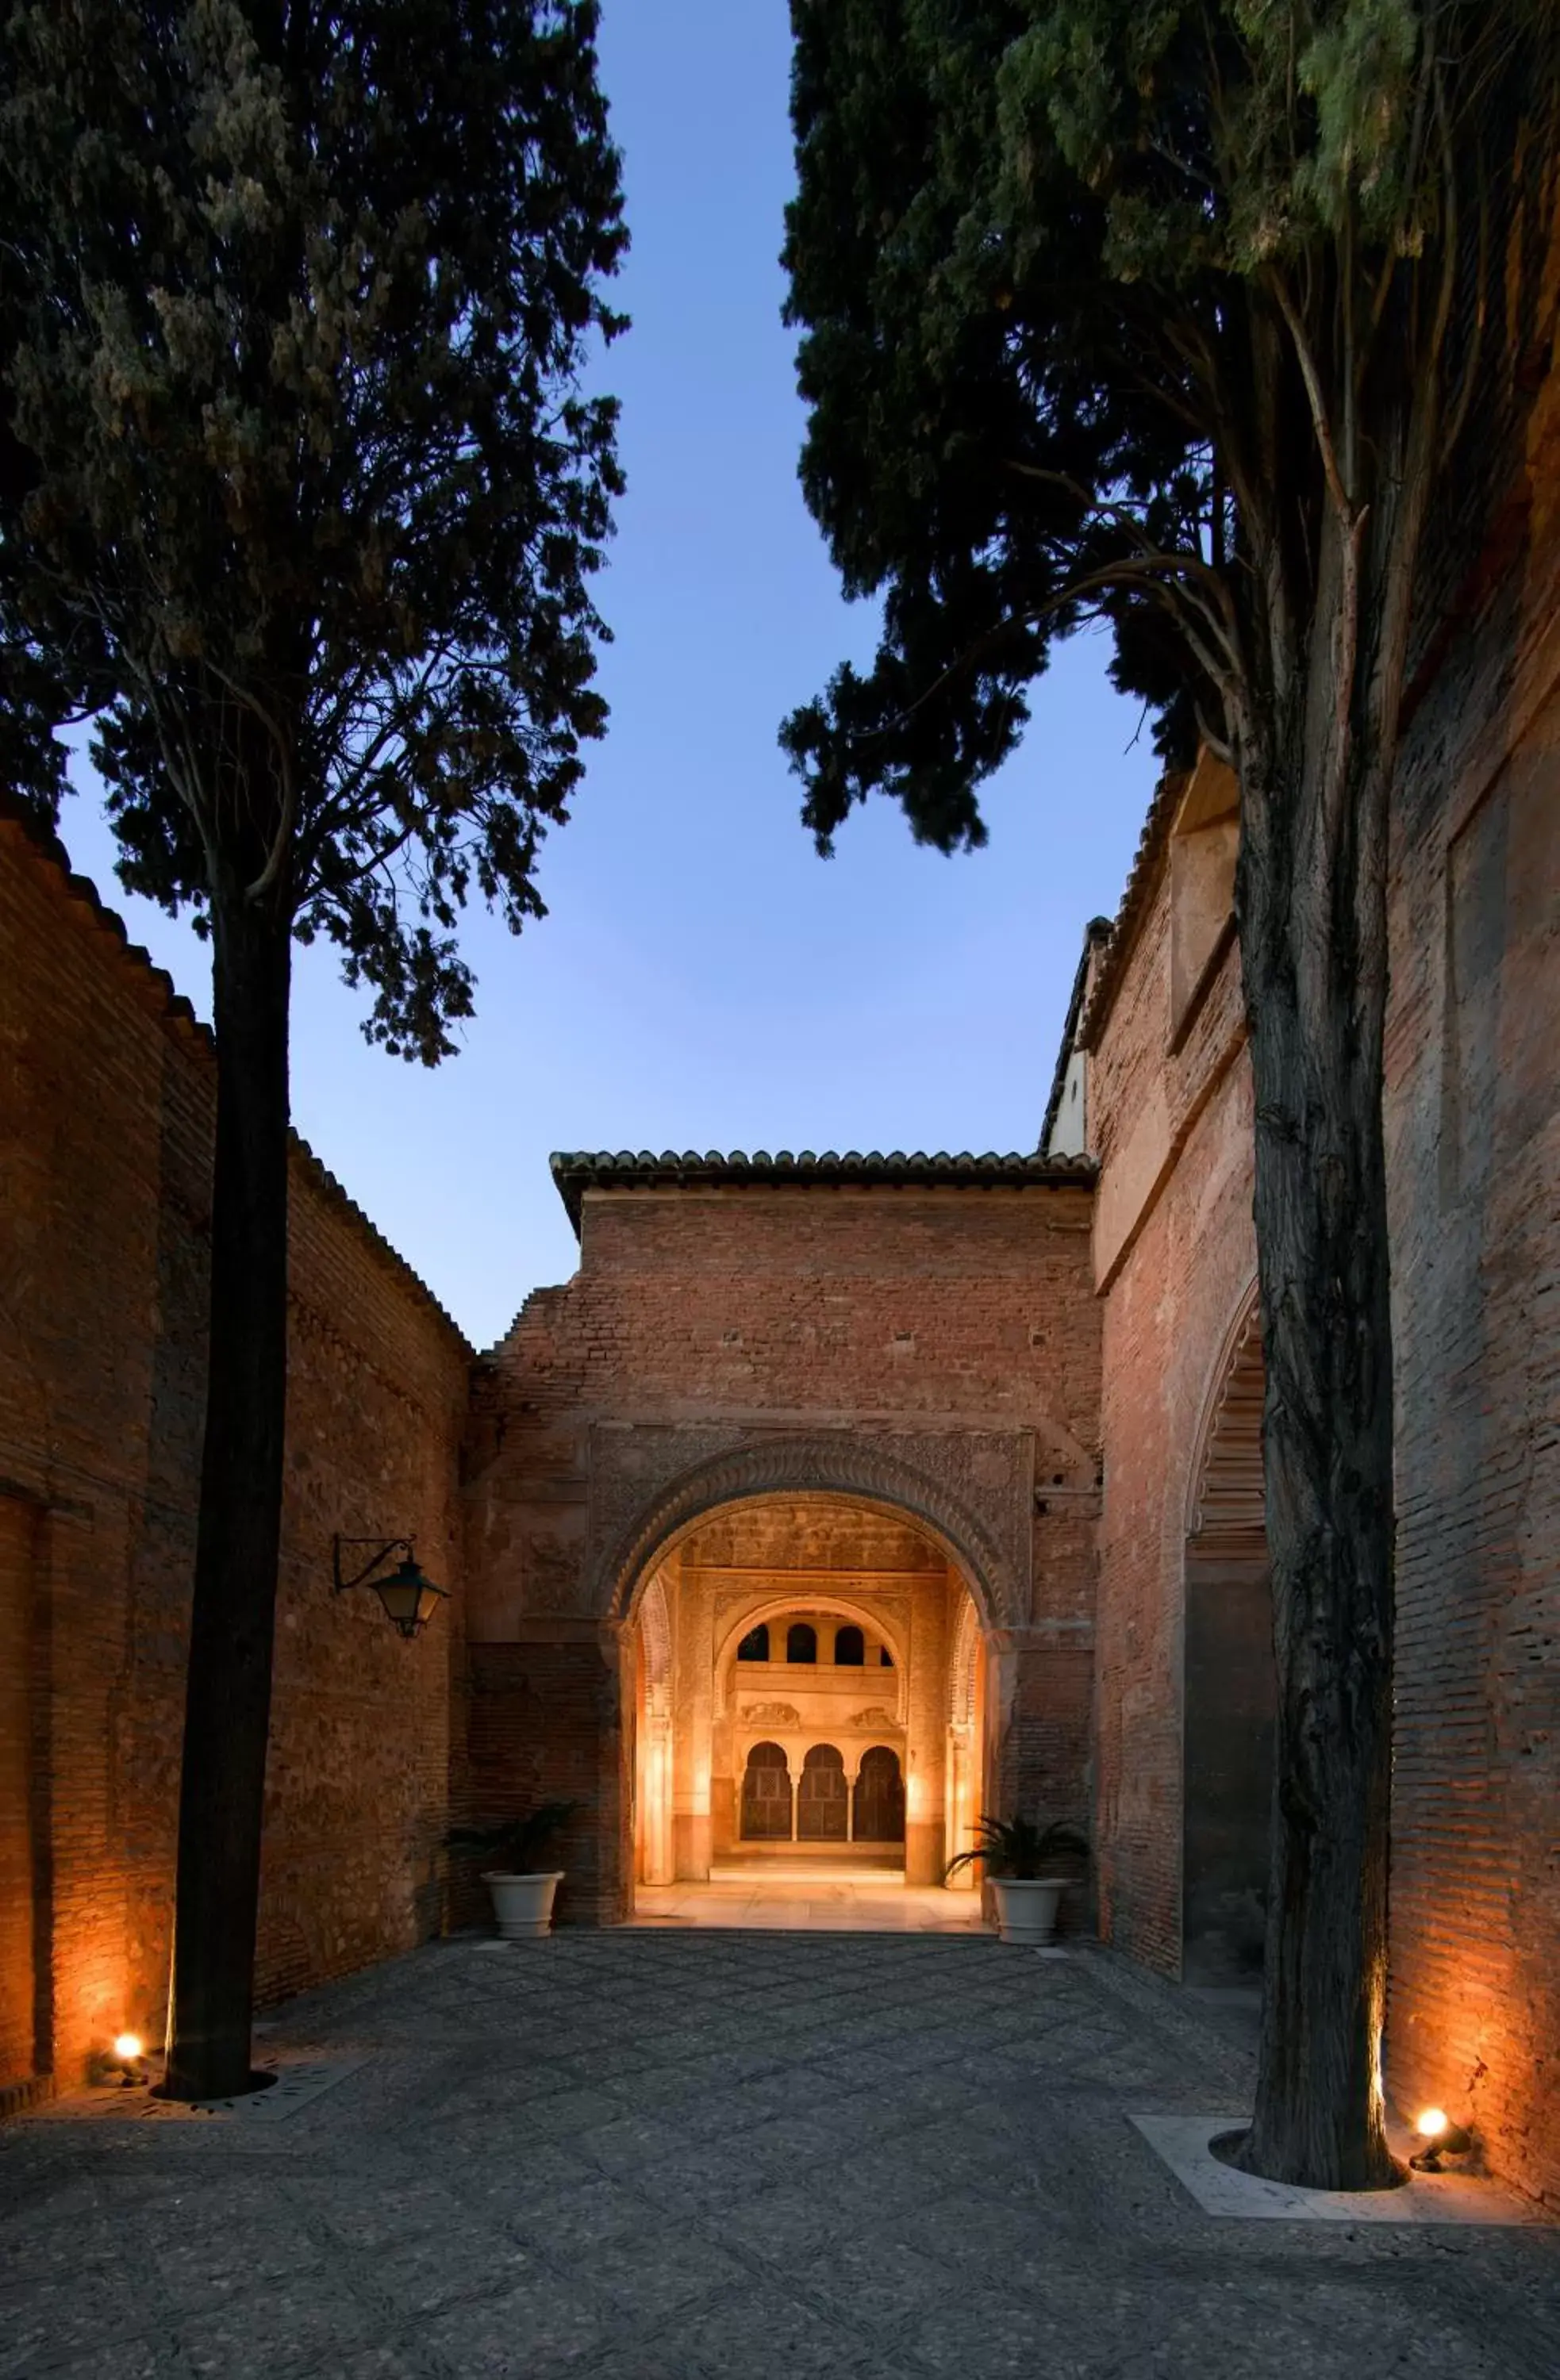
520,1843
1087,288
299,492
1020,1848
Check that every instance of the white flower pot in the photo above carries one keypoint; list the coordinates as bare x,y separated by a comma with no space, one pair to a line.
1026,1907
522,1905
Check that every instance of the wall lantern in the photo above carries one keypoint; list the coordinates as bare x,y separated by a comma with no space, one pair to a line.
409,1598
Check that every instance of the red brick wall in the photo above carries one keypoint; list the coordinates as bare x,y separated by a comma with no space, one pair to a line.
713,1318
1182,1272
547,1726
106,1122
1473,1109
1473,1134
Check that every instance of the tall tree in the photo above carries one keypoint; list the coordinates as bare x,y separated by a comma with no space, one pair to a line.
300,498
1175,311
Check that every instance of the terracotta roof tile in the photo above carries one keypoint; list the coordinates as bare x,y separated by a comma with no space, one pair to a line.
575,1172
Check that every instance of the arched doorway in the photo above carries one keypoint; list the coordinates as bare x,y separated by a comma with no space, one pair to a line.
823,1797
819,1645
878,1808
1229,1688
766,1795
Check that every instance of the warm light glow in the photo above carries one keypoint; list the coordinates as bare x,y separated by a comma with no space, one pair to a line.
128,2046
1433,2120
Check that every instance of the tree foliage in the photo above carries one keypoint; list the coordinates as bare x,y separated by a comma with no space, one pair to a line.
1094,296
300,497
299,492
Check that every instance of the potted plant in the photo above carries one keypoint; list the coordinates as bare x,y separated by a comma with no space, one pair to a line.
1020,1861
522,1888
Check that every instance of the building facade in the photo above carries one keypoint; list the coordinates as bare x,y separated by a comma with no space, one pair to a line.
835,1500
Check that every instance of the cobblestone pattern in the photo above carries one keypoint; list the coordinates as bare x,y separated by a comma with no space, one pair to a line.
636,2156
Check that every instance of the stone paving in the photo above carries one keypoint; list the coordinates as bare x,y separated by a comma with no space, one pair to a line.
712,2155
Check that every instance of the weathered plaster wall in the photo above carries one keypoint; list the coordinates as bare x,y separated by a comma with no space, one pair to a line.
107,1090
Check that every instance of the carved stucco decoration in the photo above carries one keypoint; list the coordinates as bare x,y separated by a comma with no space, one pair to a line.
972,1490
737,1609
656,1634
1226,1468
769,1715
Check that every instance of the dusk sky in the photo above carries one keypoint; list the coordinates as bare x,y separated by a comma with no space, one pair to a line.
704,980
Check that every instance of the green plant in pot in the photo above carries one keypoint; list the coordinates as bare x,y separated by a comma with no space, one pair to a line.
520,1881
1020,1857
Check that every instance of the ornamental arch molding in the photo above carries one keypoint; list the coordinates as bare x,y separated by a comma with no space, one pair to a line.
1226,1491
983,1548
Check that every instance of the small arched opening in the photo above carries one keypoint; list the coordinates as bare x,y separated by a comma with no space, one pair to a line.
879,1800
850,1647
766,1795
1229,1684
801,1642
823,1797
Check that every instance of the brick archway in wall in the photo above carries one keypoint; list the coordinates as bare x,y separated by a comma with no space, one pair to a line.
855,1470
1228,1680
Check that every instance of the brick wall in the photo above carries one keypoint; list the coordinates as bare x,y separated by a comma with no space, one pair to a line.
1473,1118
1473,1137
959,1320
106,1089
1177,1255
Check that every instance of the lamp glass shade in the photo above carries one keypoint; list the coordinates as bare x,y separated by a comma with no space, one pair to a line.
409,1598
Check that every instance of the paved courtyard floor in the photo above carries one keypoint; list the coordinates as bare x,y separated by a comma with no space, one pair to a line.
811,1900
650,2154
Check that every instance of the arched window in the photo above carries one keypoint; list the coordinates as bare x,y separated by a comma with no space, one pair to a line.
755,1644
801,1642
886,1659
766,1796
880,1798
823,1797
850,1648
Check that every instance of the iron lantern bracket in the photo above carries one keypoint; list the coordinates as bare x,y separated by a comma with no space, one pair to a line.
384,1548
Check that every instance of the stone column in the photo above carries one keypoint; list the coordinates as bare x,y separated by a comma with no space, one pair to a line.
660,1860
692,1701
926,1732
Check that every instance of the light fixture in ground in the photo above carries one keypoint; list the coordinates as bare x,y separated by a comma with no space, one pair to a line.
409,1595
1441,2137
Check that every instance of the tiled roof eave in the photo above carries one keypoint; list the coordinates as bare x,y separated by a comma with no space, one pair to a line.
575,1172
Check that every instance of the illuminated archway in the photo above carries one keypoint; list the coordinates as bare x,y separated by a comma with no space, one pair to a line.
913,1644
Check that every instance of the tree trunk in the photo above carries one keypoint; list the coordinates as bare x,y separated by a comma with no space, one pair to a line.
1311,905
228,1700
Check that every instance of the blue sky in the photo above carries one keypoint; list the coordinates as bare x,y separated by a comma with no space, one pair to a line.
704,980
